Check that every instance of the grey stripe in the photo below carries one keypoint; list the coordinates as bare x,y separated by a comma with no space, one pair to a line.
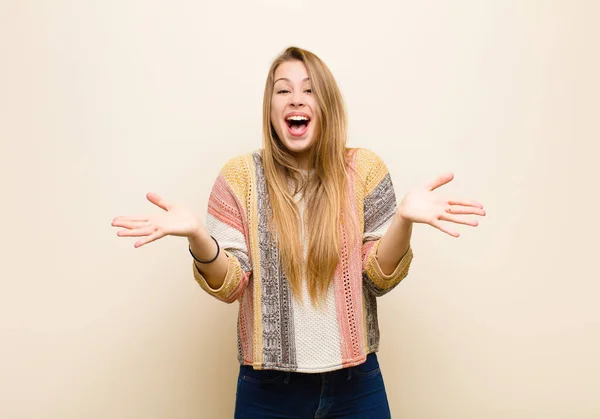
380,205
276,297
240,353
243,258
371,317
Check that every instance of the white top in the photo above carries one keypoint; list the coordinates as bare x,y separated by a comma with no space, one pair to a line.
318,340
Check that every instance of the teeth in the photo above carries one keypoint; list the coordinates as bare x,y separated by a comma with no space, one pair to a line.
297,118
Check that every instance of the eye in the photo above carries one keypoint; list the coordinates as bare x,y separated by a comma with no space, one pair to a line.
280,91
308,91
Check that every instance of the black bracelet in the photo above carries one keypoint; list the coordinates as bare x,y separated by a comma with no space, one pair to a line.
207,261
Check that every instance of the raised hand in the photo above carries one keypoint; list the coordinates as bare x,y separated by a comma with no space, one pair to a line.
424,205
175,220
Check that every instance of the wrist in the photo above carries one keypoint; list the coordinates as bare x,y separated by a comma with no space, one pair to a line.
197,235
401,218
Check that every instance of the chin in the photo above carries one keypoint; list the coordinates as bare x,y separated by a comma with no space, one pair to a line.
298,146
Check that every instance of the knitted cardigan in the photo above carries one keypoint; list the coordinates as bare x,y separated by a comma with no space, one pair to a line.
274,329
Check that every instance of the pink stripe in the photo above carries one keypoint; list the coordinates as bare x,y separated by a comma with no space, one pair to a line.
348,290
366,249
237,291
225,206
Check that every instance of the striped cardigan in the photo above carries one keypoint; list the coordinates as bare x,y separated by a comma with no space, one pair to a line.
275,330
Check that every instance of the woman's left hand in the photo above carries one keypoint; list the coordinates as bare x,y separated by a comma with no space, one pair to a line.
424,205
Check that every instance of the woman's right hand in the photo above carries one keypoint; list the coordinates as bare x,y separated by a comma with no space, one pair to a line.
175,220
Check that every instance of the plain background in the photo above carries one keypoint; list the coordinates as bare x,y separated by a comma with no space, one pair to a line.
101,102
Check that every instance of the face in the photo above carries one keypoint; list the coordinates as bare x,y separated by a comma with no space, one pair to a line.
294,109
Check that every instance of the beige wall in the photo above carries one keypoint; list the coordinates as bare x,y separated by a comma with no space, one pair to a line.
101,102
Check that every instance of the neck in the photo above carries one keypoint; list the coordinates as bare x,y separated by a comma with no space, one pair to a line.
301,161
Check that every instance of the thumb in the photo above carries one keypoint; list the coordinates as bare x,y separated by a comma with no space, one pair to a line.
158,201
440,181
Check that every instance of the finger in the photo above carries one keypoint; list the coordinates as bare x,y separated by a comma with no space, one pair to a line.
130,224
459,219
445,229
465,202
128,218
467,210
154,236
440,181
137,232
158,201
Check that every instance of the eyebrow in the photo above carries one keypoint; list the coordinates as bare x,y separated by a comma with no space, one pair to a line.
288,80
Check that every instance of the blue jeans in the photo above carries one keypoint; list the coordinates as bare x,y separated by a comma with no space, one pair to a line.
354,392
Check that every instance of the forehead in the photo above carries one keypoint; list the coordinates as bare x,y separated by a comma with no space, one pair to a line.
295,71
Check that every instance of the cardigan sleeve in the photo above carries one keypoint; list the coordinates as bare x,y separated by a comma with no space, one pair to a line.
379,209
227,222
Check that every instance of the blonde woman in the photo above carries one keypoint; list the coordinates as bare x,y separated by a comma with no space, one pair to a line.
304,234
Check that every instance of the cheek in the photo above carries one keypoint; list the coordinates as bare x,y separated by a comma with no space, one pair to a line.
275,112
314,106
276,120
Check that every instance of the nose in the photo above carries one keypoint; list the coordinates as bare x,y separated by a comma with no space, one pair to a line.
297,100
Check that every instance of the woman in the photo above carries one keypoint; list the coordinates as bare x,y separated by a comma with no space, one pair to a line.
305,234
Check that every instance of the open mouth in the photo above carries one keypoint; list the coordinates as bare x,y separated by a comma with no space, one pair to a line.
297,124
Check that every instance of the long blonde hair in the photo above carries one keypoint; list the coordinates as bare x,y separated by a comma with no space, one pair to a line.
325,189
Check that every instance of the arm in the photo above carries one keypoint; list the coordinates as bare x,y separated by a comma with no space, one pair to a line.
204,248
386,240
422,205
394,244
227,277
